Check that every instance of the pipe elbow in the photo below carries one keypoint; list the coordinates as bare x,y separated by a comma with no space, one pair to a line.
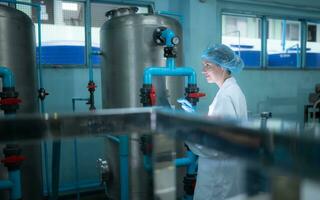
7,77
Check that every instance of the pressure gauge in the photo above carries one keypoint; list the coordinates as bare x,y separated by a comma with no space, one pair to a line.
175,40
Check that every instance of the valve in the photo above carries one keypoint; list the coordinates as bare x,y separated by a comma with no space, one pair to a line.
91,88
192,94
148,95
42,93
9,102
157,36
13,158
189,182
146,145
104,169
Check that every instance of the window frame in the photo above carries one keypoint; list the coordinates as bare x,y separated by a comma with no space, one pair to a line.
264,29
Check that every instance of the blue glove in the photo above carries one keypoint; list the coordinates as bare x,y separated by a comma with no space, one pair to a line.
186,105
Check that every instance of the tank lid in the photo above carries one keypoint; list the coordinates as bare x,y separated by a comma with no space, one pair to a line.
121,12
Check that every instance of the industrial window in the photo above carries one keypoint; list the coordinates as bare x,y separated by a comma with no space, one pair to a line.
313,46
62,32
287,43
283,43
312,32
242,34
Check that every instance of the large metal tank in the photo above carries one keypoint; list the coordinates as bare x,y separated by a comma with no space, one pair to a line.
17,52
127,46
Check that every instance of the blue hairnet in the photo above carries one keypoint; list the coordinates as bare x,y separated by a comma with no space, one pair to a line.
223,56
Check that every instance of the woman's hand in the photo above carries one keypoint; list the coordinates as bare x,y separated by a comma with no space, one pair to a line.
186,105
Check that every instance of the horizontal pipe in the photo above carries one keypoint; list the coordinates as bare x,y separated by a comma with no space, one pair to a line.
5,184
165,71
190,161
7,77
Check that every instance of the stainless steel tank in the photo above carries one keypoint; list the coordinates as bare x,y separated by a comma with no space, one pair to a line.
127,46
17,52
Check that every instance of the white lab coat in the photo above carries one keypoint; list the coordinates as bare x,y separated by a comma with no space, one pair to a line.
218,173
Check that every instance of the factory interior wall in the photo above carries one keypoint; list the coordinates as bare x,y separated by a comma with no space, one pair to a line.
283,92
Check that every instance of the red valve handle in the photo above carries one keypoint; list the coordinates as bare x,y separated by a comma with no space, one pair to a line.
196,95
13,160
10,101
153,96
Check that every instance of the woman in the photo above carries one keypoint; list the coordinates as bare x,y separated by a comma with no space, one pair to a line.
218,173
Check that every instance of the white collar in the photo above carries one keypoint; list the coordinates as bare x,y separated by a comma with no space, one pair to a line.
228,82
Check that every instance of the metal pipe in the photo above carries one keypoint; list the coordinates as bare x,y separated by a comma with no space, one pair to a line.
7,77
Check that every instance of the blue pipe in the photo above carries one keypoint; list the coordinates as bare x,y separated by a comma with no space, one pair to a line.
15,177
284,32
7,77
39,47
46,165
124,167
168,34
147,163
190,161
5,184
170,69
88,38
14,184
167,71
171,63
76,163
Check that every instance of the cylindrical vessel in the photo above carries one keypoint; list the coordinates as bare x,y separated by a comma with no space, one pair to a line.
17,52
128,47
